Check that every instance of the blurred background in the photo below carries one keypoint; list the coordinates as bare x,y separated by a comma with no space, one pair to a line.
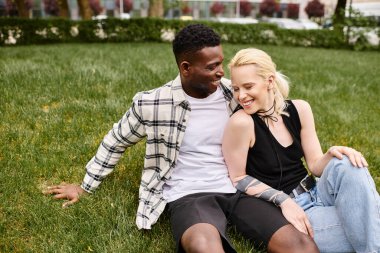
291,14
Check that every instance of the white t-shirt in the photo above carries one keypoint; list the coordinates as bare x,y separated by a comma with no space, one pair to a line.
200,165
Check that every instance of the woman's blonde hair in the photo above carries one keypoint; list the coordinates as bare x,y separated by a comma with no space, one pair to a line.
265,68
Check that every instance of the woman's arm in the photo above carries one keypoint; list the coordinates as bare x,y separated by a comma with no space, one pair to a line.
238,138
315,159
309,139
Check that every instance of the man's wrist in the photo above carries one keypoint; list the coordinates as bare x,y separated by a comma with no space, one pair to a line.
84,190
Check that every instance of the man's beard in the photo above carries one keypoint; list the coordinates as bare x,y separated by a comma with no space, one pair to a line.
203,90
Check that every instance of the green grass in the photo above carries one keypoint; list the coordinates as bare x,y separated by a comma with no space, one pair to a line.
58,101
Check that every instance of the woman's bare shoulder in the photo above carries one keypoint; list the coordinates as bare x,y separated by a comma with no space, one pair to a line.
302,106
241,119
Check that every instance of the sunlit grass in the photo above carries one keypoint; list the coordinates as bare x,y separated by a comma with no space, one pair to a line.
58,101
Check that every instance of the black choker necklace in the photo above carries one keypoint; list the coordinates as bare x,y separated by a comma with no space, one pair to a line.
268,114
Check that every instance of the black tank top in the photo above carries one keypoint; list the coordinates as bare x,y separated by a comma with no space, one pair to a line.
266,155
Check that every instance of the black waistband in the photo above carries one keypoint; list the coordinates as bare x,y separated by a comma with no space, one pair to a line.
306,184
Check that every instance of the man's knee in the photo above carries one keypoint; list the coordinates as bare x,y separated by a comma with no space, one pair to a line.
289,239
202,238
198,244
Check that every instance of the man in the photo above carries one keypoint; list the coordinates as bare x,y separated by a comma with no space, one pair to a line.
183,122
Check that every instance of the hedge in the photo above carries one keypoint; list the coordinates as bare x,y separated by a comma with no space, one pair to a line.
15,31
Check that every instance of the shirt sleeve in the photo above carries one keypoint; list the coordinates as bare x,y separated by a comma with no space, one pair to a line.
127,132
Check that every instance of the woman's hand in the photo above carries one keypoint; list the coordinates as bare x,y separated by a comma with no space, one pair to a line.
70,192
296,216
355,157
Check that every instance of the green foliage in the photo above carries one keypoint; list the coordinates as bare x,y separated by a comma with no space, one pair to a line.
58,101
270,34
360,30
312,38
38,31
356,18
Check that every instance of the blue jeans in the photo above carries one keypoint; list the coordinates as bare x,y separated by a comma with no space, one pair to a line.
344,209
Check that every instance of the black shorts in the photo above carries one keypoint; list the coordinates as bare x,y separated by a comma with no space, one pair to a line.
256,219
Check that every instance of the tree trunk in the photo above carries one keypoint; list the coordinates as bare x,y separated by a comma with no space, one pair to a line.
84,9
156,8
21,8
63,8
340,12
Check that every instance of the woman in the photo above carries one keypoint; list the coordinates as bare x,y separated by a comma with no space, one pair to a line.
264,145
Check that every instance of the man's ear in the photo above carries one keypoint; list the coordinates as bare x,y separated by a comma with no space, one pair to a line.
184,67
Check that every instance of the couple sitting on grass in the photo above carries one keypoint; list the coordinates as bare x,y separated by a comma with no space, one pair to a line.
220,151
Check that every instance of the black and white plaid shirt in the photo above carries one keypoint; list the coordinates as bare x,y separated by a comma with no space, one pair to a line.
161,116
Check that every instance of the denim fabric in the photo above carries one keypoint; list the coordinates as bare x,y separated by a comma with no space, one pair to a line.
344,209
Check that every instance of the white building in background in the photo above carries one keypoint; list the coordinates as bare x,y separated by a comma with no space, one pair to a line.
366,7
200,8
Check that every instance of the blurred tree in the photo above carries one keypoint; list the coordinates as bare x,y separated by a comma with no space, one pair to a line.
63,7
245,8
217,8
96,7
127,5
186,9
51,7
269,7
19,8
315,9
156,8
293,10
84,9
339,13
11,8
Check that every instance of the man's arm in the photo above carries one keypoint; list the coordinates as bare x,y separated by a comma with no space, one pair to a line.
127,132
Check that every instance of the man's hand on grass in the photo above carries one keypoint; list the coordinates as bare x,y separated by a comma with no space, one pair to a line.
71,192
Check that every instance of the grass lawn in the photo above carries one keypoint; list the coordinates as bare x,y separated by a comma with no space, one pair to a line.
58,101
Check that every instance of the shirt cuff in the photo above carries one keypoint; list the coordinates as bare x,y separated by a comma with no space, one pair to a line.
89,184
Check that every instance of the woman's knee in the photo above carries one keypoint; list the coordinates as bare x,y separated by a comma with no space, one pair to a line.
343,163
345,167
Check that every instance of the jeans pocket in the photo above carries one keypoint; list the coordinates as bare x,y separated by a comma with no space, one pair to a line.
305,200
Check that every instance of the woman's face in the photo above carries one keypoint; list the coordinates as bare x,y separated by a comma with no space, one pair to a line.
251,90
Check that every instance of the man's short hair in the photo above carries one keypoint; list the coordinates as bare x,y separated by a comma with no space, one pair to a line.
193,38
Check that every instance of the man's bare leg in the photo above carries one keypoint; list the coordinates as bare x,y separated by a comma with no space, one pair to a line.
202,238
289,240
